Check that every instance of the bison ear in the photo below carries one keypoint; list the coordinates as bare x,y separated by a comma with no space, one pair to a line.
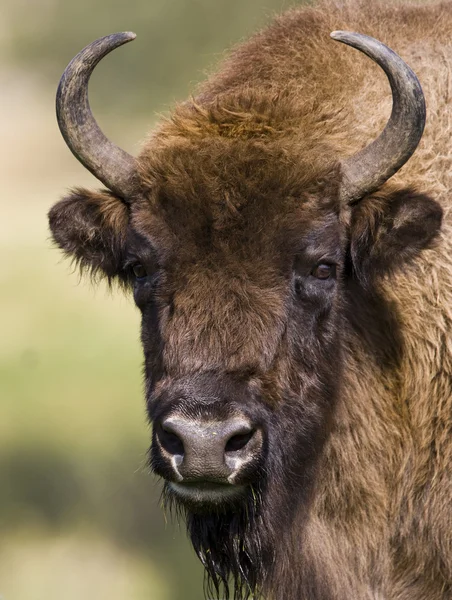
389,230
91,228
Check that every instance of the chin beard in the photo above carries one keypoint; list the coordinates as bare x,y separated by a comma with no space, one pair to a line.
229,539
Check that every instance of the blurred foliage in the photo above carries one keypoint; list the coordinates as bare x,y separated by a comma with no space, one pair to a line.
177,40
75,566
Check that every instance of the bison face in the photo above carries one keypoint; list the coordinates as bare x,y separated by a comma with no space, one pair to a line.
237,274
242,276
243,285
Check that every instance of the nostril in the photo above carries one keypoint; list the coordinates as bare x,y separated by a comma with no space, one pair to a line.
170,441
239,441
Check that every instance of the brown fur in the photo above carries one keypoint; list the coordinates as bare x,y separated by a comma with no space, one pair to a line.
231,183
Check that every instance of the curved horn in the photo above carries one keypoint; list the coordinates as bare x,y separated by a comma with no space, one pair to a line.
111,165
367,170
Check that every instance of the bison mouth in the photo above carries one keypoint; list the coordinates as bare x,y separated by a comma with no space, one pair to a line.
203,496
206,490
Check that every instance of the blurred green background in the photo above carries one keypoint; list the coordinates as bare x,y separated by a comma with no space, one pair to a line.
79,514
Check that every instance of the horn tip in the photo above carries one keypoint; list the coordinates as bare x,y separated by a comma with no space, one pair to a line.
338,35
129,36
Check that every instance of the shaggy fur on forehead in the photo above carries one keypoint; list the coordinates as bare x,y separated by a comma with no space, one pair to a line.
231,197
230,155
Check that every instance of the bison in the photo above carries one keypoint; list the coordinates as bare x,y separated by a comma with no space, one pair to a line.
293,269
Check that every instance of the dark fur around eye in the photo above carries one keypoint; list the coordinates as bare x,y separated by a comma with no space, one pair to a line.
145,288
139,271
324,271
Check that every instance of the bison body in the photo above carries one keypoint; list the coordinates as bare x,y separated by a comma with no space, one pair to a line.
311,336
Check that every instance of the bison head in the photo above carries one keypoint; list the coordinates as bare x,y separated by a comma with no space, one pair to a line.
246,241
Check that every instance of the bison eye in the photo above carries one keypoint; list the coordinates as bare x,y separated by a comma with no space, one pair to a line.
139,271
324,271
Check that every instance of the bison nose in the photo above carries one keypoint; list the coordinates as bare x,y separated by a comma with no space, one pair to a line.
208,450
